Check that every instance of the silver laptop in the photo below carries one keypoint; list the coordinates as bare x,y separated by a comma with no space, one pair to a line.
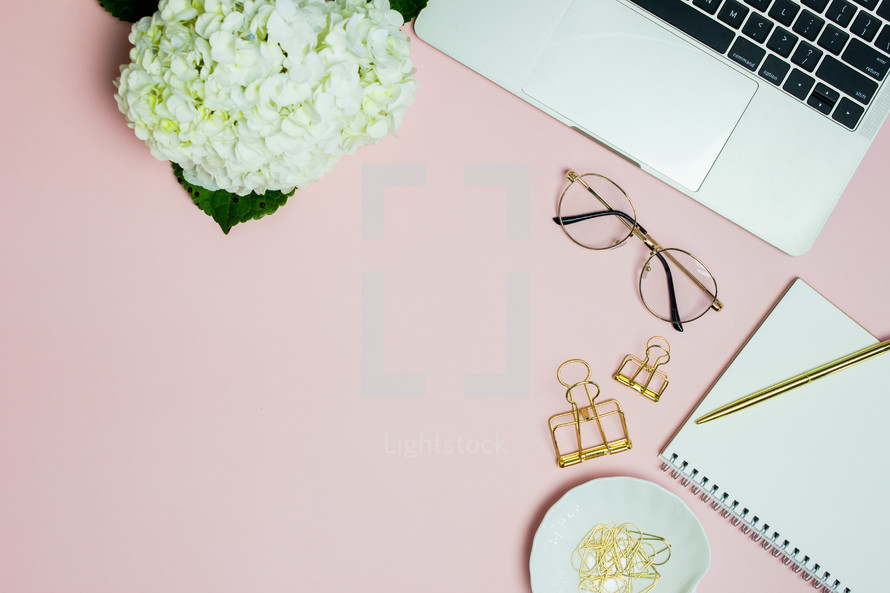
759,109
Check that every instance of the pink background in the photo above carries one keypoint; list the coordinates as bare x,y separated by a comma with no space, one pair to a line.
184,411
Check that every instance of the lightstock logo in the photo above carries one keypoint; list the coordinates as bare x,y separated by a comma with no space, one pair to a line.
515,382
375,381
410,447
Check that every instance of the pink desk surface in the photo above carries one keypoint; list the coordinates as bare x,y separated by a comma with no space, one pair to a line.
183,411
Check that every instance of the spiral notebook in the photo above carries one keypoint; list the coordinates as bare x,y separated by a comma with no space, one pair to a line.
804,473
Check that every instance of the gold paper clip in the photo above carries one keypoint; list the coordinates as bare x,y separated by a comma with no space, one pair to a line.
639,374
578,418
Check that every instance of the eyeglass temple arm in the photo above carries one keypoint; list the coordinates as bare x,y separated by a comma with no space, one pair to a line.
626,218
628,221
716,304
672,294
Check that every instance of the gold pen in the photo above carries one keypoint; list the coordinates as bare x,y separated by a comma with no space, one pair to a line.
798,380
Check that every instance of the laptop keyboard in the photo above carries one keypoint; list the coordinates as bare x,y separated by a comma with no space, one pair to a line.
830,54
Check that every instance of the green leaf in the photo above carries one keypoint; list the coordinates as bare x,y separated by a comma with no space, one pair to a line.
130,10
228,209
408,8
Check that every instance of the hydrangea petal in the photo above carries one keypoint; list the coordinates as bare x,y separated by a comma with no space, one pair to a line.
257,95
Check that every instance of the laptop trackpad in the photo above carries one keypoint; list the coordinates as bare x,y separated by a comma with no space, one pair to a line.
641,89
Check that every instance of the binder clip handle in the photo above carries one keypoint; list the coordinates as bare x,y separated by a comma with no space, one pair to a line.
569,384
589,407
661,349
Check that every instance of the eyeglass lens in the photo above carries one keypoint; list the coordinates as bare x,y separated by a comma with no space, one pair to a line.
694,287
589,216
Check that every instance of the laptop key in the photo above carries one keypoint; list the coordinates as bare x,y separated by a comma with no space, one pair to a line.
784,11
709,6
827,93
746,53
850,82
883,40
868,60
782,42
817,5
692,22
806,56
757,28
848,113
733,14
841,12
820,104
884,10
808,25
774,69
799,84
823,98
833,39
760,5
869,4
865,26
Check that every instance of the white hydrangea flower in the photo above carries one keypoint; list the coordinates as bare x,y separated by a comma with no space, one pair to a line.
257,95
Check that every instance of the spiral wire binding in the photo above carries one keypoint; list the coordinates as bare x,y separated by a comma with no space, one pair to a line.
757,530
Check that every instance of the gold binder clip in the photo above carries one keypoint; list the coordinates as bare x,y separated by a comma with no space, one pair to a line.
643,376
606,417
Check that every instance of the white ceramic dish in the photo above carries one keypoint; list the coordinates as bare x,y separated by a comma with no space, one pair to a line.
618,500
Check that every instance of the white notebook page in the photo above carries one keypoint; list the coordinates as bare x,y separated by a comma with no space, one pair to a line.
811,463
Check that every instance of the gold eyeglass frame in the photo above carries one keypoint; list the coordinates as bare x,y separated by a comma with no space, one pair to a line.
634,230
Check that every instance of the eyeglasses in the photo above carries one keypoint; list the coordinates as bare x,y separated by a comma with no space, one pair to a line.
595,213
